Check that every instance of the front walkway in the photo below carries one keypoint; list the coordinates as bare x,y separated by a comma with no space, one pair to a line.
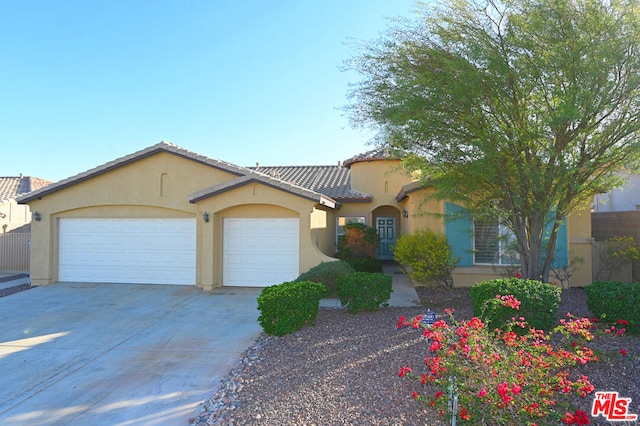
404,293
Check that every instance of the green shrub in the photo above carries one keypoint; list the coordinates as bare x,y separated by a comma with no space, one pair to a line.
328,273
359,240
538,302
363,291
613,301
426,257
286,308
365,264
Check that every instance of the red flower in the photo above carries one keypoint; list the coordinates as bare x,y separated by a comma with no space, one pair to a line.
482,393
415,395
464,414
404,370
568,418
438,394
578,418
581,418
623,352
623,322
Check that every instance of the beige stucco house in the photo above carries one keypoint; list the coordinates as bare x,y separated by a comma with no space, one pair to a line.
168,215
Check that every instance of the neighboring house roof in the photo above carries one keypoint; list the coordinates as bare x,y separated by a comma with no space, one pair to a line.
244,176
13,186
332,181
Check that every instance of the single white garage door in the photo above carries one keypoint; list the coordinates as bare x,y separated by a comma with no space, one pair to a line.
139,251
260,252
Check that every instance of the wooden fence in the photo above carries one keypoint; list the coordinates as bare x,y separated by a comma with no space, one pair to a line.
15,252
607,265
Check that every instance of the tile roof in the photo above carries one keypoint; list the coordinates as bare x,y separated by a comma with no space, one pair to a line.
408,189
332,181
242,172
267,180
154,149
383,153
13,186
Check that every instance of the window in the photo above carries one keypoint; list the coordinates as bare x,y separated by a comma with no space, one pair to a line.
493,244
342,221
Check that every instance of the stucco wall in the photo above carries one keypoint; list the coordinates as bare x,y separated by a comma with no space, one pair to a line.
13,215
152,187
625,198
158,187
253,200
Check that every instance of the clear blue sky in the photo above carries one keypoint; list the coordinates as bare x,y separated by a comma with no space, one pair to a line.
85,82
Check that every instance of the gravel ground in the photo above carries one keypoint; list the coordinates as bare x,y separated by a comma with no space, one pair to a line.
344,370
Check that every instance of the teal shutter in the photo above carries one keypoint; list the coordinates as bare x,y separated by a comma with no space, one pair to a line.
562,250
458,228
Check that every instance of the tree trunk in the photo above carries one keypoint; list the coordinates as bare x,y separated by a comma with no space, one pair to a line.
531,248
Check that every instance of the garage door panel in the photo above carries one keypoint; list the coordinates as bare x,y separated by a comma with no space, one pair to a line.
153,251
259,252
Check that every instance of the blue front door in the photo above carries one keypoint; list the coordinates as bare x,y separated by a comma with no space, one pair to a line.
386,227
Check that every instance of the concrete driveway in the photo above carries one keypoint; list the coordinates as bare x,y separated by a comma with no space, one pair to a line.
118,354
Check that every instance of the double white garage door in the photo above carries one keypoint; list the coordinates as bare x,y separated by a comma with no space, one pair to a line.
141,251
257,252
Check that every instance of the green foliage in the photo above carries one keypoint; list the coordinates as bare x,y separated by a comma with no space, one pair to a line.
286,308
359,240
618,252
358,247
502,378
520,107
627,249
365,264
427,257
613,301
539,302
327,273
363,291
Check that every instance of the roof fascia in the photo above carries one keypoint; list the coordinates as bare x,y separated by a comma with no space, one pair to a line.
244,180
114,164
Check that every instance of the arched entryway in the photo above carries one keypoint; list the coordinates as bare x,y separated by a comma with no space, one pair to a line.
387,223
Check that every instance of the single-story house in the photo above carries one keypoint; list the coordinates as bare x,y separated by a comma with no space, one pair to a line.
167,215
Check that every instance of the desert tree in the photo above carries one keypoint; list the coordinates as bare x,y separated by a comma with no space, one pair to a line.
520,110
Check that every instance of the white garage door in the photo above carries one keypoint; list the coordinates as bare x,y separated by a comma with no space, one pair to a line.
141,251
260,252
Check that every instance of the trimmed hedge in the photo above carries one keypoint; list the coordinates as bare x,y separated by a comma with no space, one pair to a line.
538,302
612,301
286,308
364,291
364,264
328,273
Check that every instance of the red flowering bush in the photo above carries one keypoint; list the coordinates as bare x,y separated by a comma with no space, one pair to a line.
500,377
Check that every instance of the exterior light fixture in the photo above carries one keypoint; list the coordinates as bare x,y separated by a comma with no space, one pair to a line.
37,217
405,213
205,217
